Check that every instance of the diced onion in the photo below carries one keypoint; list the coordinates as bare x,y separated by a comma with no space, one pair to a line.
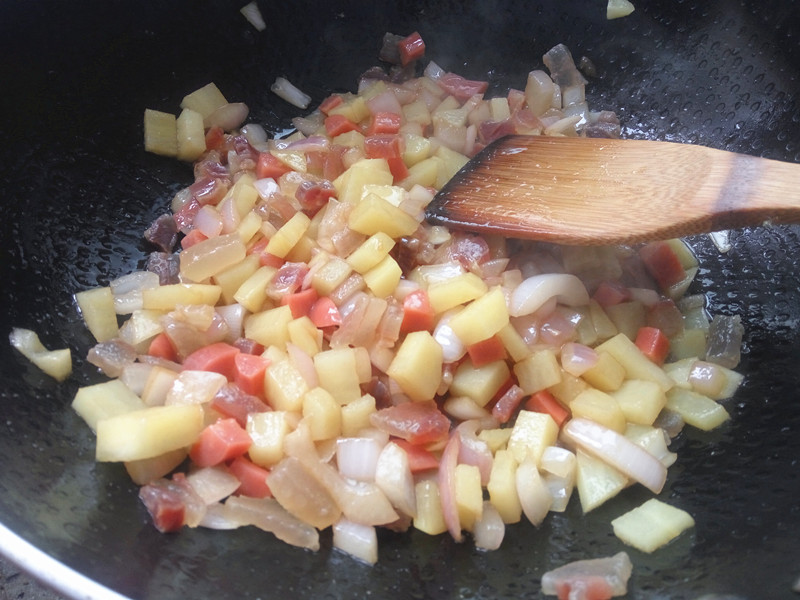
357,458
228,117
285,90
534,496
359,541
213,484
534,291
489,530
393,475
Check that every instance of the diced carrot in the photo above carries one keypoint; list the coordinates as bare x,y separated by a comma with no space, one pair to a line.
330,103
214,137
383,122
411,48
338,124
220,442
609,293
253,479
161,347
300,303
249,372
486,351
544,402
398,168
217,358
269,166
265,259
324,313
383,145
418,313
507,403
195,236
419,458
662,263
653,344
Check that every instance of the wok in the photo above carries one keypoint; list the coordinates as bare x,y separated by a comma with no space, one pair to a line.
78,190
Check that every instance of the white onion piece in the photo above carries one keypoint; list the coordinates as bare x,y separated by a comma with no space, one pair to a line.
285,90
452,346
233,316
268,515
489,530
266,187
721,240
309,124
534,496
534,291
127,290
386,101
253,15
304,364
474,451
219,518
359,541
614,570
208,221
256,135
576,358
135,376
560,489
357,457
229,215
447,485
558,461
194,387
213,484
618,451
314,143
393,475
433,71
228,116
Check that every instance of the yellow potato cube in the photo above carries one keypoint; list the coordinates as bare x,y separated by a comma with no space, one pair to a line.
481,318
599,407
628,317
168,297
160,133
417,147
355,416
635,363
252,293
696,409
205,100
99,314
374,214
607,375
351,139
538,371
641,401
305,335
330,275
430,518
479,383
597,481
96,402
469,495
423,173
452,292
338,374
350,184
452,161
191,136
371,252
417,112
288,235
566,390
269,327
514,344
383,278
268,431
231,279
148,432
496,439
502,487
690,343
355,109
651,525
604,327
322,413
417,366
531,434
141,327
284,386
159,383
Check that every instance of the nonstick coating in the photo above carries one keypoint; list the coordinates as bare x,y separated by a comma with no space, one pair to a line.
78,190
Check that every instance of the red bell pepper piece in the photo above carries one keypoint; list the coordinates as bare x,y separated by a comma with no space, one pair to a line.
418,313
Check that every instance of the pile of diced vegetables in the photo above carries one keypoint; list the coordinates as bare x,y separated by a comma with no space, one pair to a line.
316,355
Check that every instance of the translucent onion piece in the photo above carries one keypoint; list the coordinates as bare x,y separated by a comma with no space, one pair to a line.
447,486
127,290
576,358
609,575
213,484
534,495
617,451
359,541
285,90
253,15
268,515
433,71
725,340
228,117
255,134
233,315
489,530
452,346
357,458
112,356
534,291
208,221
195,387
266,187
393,475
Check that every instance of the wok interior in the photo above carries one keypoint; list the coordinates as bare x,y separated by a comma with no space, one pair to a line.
79,190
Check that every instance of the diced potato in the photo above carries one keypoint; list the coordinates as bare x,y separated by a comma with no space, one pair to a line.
141,327
288,235
55,363
97,309
697,410
597,481
148,432
305,335
651,525
641,401
635,363
268,431
652,439
330,275
499,109
538,371
469,495
322,413
355,416
496,439
479,383
374,214
452,161
252,293
684,253
337,373
423,173
160,133
351,139
452,292
417,112
616,9
284,386
690,343
604,327
599,407
96,402
205,100
417,147
607,375
417,365
146,470
355,109
350,184
430,518
514,344
566,390
382,279
628,317
168,297
269,327
502,486
159,383
531,434
679,371
481,318
191,136
371,252
231,279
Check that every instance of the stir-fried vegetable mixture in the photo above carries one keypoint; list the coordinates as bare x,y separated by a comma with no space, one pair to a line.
304,352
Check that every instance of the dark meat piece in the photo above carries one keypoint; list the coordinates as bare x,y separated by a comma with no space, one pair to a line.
163,232
166,265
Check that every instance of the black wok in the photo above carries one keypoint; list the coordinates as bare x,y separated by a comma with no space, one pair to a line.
78,190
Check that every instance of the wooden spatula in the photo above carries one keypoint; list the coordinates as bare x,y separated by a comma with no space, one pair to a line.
587,191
